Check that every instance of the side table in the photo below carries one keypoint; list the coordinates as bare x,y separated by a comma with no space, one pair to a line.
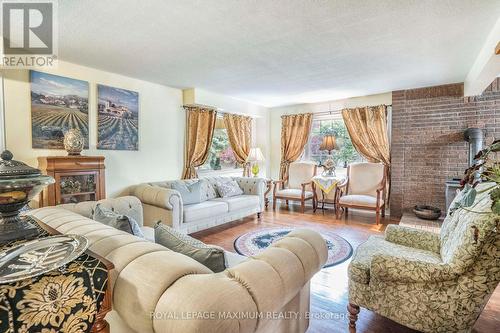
327,184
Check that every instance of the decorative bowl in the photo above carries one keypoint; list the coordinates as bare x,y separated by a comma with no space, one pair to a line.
427,212
19,183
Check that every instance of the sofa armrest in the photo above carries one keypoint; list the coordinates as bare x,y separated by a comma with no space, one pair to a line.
128,205
253,186
261,284
403,270
163,198
411,237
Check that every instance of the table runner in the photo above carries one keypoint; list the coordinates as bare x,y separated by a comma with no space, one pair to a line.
63,300
326,184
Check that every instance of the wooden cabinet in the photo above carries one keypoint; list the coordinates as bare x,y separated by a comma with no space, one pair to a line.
78,178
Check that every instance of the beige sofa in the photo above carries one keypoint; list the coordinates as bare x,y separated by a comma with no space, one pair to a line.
162,203
155,289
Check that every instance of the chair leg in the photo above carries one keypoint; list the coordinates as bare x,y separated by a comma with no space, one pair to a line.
315,205
383,211
353,310
346,212
274,203
378,217
302,206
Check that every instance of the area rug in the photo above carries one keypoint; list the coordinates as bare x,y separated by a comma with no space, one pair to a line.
254,242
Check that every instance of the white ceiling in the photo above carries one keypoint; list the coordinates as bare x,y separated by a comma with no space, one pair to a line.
277,52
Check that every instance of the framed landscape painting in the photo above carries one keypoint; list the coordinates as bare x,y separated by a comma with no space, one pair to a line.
57,104
117,118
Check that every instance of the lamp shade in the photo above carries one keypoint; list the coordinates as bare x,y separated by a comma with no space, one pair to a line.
255,155
329,143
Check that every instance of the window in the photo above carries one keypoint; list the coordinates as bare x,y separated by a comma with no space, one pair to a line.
345,153
221,157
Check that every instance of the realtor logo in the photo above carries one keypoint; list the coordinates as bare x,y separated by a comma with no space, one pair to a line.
29,34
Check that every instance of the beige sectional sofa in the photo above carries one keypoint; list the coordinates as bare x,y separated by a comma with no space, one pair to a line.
162,203
156,290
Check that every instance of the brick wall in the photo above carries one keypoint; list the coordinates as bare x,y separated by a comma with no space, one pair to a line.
427,139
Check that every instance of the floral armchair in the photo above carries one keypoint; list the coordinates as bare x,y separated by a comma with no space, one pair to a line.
426,281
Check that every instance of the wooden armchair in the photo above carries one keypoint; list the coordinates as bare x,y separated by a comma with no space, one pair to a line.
297,186
364,188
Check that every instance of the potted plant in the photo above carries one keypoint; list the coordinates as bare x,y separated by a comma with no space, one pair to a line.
485,169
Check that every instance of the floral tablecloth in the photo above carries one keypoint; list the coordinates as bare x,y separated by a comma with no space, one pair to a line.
326,184
65,300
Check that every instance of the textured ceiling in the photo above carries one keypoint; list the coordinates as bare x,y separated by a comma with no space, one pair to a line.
276,52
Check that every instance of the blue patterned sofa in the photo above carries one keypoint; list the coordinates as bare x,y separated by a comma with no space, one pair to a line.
427,281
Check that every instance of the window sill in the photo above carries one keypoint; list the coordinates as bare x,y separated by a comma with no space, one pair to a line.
224,173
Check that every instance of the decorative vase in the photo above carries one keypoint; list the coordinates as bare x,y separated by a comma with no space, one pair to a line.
255,170
19,183
74,141
329,168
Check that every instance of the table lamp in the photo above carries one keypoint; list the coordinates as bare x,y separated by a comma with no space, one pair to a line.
255,157
329,143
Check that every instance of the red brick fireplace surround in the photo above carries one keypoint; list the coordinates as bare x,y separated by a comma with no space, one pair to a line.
428,144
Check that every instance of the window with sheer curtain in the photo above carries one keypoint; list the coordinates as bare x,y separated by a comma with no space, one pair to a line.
333,124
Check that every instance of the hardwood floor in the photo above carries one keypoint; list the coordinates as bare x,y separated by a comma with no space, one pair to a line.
329,286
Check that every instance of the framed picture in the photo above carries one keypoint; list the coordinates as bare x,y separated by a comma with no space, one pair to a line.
117,118
57,104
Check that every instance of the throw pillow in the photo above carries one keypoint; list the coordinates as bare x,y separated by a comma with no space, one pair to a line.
190,193
121,222
208,255
229,189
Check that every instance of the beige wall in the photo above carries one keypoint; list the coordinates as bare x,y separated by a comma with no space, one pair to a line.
276,113
161,127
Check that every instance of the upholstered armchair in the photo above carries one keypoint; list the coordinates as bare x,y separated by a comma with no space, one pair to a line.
427,281
297,186
364,188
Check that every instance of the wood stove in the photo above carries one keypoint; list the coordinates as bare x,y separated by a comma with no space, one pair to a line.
475,138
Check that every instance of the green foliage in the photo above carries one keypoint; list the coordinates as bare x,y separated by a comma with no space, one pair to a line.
485,169
346,152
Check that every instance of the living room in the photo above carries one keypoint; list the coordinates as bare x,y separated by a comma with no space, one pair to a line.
250,166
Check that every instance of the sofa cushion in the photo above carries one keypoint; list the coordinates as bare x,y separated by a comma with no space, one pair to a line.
360,200
204,210
118,221
240,202
149,233
228,189
359,268
190,192
209,256
212,185
293,193
459,246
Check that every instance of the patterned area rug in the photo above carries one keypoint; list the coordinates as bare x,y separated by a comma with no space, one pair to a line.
254,242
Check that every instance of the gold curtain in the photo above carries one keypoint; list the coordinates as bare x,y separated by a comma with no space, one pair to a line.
239,131
200,124
367,127
294,135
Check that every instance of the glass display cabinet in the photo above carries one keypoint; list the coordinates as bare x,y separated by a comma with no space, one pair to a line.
77,179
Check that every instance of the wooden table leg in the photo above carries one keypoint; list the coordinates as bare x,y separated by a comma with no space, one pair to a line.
100,324
269,185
